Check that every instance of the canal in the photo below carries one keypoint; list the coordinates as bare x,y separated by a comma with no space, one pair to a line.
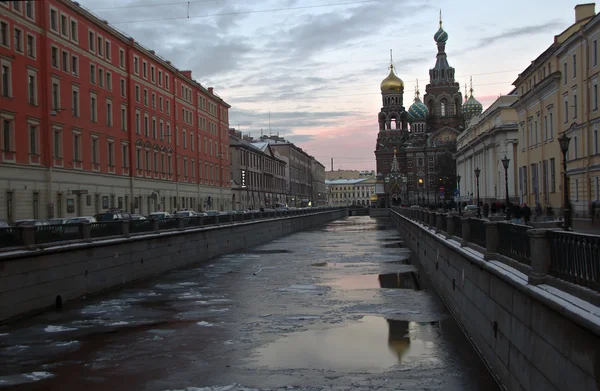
340,307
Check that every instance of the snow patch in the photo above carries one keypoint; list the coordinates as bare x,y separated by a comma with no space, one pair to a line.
3,334
17,347
58,329
121,323
231,387
188,283
66,343
36,376
205,324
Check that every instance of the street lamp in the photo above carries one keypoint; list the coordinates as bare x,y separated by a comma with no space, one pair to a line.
420,185
505,163
564,147
477,172
459,203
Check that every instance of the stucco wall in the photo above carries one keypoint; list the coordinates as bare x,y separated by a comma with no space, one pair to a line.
529,339
32,281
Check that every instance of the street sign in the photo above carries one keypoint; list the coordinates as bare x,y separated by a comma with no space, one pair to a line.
456,193
441,188
442,194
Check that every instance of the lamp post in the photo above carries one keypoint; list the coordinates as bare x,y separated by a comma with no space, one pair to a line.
505,163
420,185
477,172
458,203
564,147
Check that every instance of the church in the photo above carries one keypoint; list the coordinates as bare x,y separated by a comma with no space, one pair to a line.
414,148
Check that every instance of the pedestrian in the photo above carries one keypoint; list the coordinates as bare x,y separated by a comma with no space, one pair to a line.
494,208
538,211
516,213
526,213
486,210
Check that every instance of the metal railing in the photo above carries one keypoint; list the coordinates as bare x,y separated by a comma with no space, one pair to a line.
32,236
477,232
10,237
514,242
575,258
444,223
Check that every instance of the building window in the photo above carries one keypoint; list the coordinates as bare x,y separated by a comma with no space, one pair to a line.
100,48
148,168
154,128
122,88
123,118
100,77
595,95
54,56
92,41
575,147
137,122
138,159
574,66
125,156
33,140
566,110
92,74
93,109
74,31
75,65
7,139
64,25
136,65
57,144
108,81
145,97
31,46
153,100
32,87
160,78
107,50
55,95
109,114
77,147
167,82
65,61
565,73
121,58
29,9
551,126
137,94
54,20
4,40
146,126
574,105
111,154
145,69
552,175
75,101
595,141
160,103
95,154
152,74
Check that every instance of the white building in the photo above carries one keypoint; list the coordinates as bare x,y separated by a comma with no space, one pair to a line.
489,137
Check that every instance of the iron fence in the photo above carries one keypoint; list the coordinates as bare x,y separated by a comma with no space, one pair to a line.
444,222
477,232
10,237
170,223
106,228
575,258
140,226
514,242
457,226
57,233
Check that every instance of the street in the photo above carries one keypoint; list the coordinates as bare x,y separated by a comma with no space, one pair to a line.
335,308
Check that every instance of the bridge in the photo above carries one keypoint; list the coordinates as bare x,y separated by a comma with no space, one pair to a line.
298,300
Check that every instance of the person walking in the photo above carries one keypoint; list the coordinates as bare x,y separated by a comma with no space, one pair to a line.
526,213
538,211
516,213
486,210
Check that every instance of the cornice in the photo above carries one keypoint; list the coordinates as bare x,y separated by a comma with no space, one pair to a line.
541,91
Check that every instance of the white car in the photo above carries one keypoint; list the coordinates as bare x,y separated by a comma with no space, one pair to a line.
159,216
82,219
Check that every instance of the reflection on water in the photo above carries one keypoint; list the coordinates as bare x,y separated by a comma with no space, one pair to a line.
407,280
373,343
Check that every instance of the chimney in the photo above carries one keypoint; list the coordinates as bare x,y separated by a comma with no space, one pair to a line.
584,11
210,89
187,74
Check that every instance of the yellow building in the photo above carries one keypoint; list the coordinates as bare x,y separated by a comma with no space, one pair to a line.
558,92
346,192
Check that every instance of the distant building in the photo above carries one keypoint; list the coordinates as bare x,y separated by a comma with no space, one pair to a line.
346,192
348,174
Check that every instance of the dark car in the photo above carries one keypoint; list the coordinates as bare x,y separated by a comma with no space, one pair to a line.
4,224
112,216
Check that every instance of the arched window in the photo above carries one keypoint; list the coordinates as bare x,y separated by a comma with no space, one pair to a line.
457,105
430,104
443,107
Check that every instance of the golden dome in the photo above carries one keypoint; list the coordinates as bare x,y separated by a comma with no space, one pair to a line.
392,83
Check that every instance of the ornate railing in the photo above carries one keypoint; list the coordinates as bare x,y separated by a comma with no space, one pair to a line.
106,228
457,226
477,232
444,223
575,258
10,237
514,242
140,226
57,233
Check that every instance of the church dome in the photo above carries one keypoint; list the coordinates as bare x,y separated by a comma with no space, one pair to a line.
472,107
417,111
392,83
440,36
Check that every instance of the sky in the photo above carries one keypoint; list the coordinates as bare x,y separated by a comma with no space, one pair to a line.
309,70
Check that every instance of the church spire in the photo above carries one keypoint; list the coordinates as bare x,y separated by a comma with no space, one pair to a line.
442,73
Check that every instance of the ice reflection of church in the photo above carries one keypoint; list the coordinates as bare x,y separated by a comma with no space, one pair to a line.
408,142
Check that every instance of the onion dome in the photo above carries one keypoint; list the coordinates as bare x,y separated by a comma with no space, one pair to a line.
392,83
440,36
472,106
417,111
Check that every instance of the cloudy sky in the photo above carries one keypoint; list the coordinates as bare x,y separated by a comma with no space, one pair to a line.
316,65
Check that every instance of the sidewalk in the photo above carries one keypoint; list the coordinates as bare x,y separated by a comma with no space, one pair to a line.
585,226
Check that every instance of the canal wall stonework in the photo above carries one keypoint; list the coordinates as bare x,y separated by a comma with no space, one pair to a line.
35,280
530,340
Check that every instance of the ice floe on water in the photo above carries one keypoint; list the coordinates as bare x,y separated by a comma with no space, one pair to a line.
17,347
35,376
58,329
3,334
121,323
205,324
190,295
66,343
231,387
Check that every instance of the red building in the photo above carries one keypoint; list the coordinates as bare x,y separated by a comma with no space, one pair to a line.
90,120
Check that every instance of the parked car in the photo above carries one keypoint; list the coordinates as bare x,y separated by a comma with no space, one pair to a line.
82,219
185,213
159,215
201,214
212,212
57,221
4,224
113,216
137,217
30,222
470,208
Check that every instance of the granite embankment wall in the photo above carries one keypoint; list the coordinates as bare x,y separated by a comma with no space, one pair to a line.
34,280
531,337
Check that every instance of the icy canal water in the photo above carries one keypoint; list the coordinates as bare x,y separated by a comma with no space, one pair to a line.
335,308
